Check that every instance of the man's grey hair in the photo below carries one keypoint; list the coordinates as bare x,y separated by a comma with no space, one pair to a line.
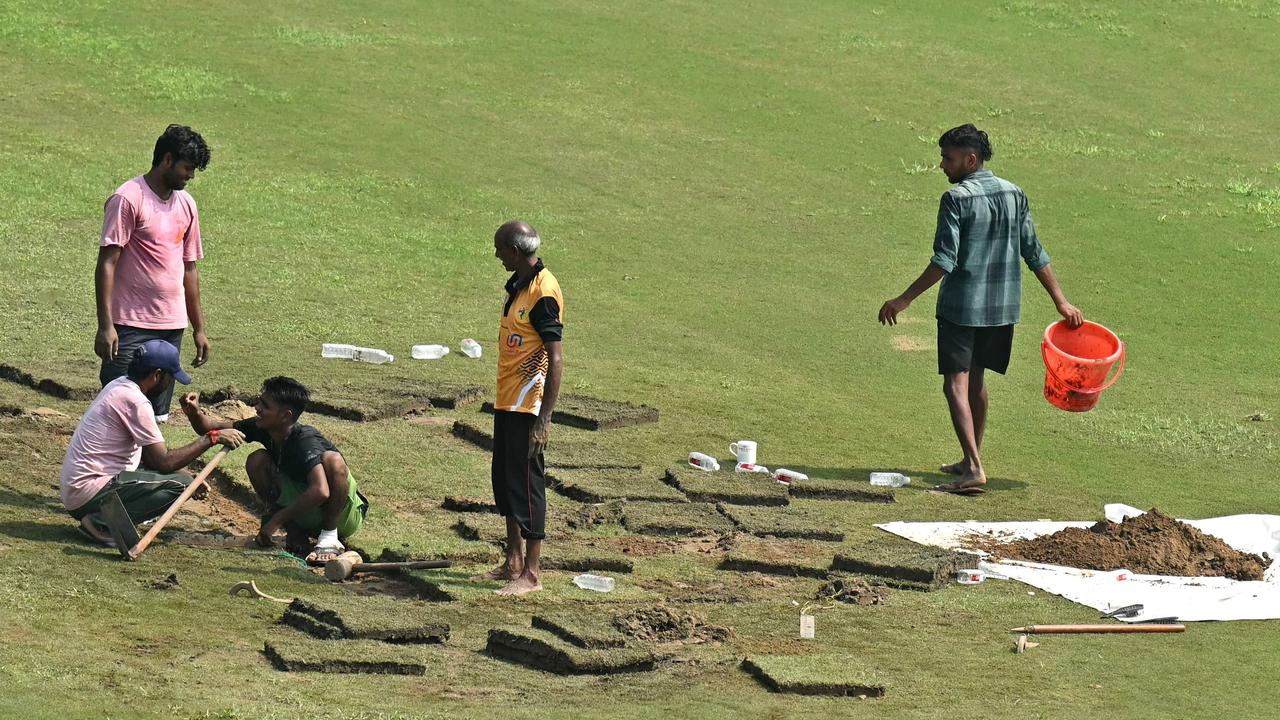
519,235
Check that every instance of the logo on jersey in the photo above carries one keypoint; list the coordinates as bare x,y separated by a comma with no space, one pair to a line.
514,340
522,312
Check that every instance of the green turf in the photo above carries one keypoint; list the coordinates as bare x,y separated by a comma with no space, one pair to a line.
291,651
375,618
810,675
727,193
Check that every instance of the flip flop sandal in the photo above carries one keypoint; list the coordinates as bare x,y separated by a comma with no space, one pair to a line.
967,492
94,540
321,555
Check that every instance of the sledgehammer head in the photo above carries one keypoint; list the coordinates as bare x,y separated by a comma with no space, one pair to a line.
341,567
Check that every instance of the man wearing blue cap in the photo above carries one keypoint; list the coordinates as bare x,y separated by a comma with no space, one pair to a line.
118,434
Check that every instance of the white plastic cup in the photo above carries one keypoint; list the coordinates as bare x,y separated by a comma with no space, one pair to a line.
429,352
806,626
971,576
749,468
889,479
744,451
786,477
702,461
471,348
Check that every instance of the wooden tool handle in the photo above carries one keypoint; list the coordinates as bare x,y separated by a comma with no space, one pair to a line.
1135,628
410,565
164,519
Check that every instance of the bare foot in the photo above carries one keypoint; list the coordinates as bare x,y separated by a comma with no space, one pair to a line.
967,481
506,571
957,468
522,585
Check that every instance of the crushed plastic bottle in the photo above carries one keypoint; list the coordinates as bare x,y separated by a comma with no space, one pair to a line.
471,348
786,477
970,576
889,479
702,461
337,350
749,468
598,583
429,352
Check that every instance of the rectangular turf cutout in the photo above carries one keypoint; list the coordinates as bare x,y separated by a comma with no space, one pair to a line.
821,489
569,557
474,434
294,652
371,618
459,503
674,519
48,386
901,564
588,413
728,487
795,558
782,522
545,651
600,486
592,633
815,675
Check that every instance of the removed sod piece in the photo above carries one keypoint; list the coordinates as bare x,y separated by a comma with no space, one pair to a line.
294,652
782,522
591,633
459,503
798,558
837,675
901,564
546,651
48,386
588,413
600,486
821,489
674,519
368,618
728,487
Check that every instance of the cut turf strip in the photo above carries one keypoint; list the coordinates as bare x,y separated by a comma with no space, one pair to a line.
458,503
907,565
784,522
820,489
545,651
600,486
48,386
585,632
815,675
591,560
792,558
588,413
474,434
728,487
294,652
674,519
362,404
368,618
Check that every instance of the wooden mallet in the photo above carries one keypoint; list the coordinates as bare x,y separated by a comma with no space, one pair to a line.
350,562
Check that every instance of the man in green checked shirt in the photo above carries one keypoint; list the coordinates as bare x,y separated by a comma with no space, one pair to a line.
984,225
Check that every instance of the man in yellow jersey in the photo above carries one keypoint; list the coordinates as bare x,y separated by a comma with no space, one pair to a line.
529,368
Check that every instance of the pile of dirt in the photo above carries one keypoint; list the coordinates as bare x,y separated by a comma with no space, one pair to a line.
1149,544
662,624
854,591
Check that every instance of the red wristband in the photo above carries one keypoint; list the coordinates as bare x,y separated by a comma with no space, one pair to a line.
213,436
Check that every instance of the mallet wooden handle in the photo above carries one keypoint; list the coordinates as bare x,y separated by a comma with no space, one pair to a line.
349,563
1134,628
164,519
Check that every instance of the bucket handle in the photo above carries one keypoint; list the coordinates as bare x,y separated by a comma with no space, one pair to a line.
1044,353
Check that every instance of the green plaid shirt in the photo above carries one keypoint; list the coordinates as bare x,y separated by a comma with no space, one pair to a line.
984,224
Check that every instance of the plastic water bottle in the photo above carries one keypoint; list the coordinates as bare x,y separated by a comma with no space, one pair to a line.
889,479
970,576
786,477
337,350
471,348
702,461
806,626
429,352
373,356
1119,575
749,468
598,583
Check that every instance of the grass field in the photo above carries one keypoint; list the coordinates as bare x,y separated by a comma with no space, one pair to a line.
727,193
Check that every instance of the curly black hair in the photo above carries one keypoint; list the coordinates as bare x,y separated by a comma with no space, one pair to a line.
967,137
288,392
182,143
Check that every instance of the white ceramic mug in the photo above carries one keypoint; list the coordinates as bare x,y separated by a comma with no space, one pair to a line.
744,451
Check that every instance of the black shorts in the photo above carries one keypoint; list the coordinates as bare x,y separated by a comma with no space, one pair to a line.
519,482
131,338
962,348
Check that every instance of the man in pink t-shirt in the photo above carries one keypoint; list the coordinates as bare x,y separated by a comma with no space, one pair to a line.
147,283
118,433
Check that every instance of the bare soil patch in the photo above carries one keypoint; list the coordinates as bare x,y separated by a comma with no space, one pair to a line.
854,591
662,624
1150,544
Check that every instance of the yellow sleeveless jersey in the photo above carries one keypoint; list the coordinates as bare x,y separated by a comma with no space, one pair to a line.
527,317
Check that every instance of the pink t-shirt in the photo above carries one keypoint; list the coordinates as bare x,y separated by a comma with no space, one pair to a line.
108,441
156,237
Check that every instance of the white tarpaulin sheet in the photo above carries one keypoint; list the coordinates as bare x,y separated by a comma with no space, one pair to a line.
1186,598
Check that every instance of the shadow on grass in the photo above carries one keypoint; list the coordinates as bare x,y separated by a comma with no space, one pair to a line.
18,499
59,532
928,480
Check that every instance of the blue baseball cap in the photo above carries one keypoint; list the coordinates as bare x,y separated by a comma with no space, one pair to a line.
160,355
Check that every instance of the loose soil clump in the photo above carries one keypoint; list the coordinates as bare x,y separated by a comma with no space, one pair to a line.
1150,544
662,624
854,591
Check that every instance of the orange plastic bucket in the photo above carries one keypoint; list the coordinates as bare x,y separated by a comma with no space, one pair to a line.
1077,363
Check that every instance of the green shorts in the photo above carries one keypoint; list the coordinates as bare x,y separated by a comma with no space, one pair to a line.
145,494
349,522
